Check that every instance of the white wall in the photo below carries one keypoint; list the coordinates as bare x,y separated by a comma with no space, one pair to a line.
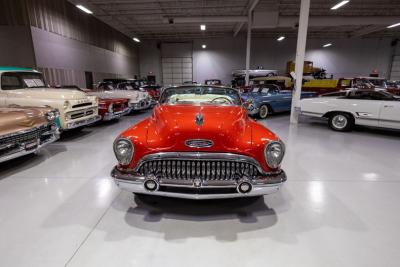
346,58
56,52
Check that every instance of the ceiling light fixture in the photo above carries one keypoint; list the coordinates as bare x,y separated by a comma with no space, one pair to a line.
393,25
340,4
136,39
281,38
203,46
203,27
84,9
327,45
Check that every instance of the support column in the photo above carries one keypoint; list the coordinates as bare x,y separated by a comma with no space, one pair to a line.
248,46
300,54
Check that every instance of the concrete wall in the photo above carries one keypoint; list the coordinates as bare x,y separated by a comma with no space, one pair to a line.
150,60
345,58
16,47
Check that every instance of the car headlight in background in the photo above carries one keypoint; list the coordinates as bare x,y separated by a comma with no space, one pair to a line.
273,153
123,149
66,104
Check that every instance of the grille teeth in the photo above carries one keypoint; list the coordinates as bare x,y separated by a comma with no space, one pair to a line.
199,143
203,169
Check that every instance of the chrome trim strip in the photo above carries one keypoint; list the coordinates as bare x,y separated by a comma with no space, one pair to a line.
84,122
199,143
305,113
200,156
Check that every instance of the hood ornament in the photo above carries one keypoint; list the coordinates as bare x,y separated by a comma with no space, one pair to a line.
199,119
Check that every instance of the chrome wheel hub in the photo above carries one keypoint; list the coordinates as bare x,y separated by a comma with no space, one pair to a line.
339,121
263,112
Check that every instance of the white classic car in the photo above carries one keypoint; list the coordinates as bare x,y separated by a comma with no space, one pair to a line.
138,99
26,87
355,107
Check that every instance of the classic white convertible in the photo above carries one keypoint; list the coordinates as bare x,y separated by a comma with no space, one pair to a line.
355,107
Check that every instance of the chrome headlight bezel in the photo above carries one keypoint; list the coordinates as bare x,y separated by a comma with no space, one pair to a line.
273,160
66,104
127,158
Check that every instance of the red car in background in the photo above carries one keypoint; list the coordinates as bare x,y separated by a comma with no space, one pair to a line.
154,92
113,108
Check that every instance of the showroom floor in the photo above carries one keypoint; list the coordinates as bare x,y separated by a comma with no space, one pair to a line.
339,207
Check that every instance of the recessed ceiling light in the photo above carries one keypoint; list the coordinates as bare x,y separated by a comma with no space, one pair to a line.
327,45
394,25
202,27
203,46
338,5
84,9
136,39
281,38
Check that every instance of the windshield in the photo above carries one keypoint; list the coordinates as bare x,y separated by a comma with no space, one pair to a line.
21,80
200,95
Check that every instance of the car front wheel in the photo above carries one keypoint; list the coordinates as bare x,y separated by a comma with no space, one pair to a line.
342,122
263,112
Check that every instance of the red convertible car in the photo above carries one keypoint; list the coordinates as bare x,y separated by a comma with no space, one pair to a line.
199,143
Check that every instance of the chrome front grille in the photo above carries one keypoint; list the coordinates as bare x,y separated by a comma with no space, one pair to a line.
80,114
82,105
25,137
204,169
199,143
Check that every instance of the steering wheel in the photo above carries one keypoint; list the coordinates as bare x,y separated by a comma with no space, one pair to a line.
225,100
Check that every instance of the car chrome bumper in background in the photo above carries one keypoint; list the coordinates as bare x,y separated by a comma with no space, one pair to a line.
143,104
115,115
190,190
252,110
22,149
81,122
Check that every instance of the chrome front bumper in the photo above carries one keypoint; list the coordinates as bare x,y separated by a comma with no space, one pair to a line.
171,188
143,104
80,123
22,149
253,110
115,115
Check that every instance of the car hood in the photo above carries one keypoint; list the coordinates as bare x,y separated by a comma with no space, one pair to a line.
48,93
13,120
172,125
130,94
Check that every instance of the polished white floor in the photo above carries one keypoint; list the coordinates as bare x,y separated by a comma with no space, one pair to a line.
339,207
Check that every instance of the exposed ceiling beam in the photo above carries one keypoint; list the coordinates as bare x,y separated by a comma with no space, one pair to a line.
251,5
205,19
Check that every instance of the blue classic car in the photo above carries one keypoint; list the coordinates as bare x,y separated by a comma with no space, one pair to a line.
268,98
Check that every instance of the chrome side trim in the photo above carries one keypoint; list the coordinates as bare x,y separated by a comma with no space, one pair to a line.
201,156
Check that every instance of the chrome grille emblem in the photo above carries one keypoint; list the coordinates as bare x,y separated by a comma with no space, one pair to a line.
199,143
199,119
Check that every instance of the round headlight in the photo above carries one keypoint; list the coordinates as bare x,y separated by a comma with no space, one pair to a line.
110,108
274,152
123,149
66,104
51,116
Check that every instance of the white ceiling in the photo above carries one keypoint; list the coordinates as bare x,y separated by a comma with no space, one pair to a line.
148,19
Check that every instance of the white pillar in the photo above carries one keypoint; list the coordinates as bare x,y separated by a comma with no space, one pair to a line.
248,46
300,54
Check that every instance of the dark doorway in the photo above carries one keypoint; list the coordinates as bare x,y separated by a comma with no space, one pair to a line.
89,79
151,79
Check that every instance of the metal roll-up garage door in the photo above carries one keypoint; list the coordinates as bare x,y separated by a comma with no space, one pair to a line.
177,65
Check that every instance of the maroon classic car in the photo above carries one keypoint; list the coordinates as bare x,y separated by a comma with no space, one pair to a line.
113,108
154,92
